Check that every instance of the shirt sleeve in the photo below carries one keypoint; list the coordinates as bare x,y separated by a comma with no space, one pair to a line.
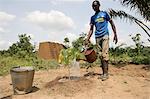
108,17
92,21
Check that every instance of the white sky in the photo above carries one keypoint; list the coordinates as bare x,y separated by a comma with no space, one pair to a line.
53,20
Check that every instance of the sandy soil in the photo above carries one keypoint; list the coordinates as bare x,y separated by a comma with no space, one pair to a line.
129,82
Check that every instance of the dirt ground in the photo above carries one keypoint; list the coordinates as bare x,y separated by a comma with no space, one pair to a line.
128,82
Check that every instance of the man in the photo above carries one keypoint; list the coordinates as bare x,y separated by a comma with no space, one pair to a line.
100,20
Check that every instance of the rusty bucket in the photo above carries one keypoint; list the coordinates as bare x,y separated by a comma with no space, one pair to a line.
22,79
90,55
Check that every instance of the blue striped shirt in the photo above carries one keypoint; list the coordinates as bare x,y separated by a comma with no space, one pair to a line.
100,21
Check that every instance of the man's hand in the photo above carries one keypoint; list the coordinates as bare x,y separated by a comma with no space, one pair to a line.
115,39
87,41
114,30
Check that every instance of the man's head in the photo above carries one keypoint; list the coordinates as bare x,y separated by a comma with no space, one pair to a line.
96,5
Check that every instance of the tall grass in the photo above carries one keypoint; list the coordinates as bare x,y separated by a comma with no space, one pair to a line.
6,63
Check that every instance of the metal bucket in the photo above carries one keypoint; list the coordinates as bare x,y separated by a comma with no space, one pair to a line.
22,79
90,55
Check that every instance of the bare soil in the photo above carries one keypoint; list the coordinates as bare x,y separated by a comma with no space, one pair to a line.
128,82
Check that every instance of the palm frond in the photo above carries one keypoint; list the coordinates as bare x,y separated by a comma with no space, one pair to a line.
124,15
142,28
121,15
143,6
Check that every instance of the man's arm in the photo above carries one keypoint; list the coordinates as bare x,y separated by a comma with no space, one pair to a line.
114,30
90,32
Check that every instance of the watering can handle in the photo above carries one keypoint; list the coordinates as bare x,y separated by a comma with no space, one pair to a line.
86,44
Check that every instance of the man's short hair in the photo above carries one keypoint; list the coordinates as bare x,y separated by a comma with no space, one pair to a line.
96,2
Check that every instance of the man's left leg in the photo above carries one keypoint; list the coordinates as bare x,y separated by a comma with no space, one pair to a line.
105,70
105,57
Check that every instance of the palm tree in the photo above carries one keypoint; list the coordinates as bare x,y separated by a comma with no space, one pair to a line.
142,6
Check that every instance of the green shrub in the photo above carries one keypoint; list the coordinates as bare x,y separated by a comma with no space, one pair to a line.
40,64
121,59
6,63
141,60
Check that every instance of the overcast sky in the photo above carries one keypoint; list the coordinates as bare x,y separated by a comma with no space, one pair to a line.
53,20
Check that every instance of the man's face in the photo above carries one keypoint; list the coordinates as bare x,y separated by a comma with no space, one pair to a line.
95,7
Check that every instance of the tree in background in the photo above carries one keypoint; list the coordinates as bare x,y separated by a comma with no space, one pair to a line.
138,43
142,7
22,48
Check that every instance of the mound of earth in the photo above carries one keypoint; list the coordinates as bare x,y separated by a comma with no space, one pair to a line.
69,87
